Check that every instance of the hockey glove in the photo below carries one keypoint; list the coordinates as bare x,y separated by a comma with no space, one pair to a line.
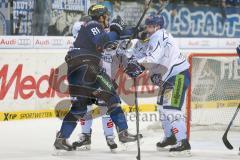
134,69
157,79
117,25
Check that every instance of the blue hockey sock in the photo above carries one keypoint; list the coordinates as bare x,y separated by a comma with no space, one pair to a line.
118,117
67,128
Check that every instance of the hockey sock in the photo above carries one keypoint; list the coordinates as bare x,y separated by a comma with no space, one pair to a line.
166,124
118,117
167,127
68,125
107,124
179,129
86,125
67,128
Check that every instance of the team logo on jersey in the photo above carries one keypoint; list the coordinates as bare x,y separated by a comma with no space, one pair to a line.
107,58
167,97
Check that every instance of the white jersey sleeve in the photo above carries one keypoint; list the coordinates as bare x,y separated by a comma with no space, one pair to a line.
76,27
164,55
140,49
153,52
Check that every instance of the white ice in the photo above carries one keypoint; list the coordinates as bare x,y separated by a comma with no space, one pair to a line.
33,140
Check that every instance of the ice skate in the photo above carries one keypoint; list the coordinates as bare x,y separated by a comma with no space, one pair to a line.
111,144
84,142
125,137
167,141
182,148
61,145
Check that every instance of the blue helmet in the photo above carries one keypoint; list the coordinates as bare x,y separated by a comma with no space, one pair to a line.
155,20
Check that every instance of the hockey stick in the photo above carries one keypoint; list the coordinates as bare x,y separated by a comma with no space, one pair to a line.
137,119
224,138
138,24
162,7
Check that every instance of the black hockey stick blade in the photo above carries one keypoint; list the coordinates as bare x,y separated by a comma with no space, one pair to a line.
226,142
224,138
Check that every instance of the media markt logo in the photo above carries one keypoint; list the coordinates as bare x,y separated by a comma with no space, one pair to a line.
2,25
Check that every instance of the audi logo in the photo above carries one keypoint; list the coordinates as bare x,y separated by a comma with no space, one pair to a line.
24,42
57,42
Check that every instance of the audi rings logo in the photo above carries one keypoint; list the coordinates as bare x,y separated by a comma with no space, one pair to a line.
24,41
57,42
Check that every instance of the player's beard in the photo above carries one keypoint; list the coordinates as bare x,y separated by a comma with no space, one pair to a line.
106,21
106,24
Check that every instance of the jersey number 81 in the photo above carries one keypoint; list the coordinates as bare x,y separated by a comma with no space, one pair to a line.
95,31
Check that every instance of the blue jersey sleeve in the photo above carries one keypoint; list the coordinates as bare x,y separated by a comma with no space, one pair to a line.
98,35
126,34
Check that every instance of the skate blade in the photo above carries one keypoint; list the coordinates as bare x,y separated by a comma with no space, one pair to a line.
84,148
113,150
186,153
60,152
161,149
126,146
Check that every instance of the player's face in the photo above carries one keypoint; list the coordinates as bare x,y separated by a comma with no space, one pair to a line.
150,29
104,20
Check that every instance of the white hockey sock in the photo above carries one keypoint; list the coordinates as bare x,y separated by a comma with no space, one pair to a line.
107,125
86,125
179,129
167,128
166,124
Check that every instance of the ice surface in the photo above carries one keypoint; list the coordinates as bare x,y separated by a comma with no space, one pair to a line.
33,140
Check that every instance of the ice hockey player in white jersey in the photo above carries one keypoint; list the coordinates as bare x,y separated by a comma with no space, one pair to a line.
169,70
84,142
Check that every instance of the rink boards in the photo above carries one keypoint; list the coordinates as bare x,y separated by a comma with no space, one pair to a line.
26,65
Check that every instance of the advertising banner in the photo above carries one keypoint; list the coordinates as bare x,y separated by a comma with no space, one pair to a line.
26,85
190,21
31,42
27,63
72,5
203,21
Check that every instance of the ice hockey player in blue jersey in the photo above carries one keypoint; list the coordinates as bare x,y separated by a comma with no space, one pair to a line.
86,79
84,141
